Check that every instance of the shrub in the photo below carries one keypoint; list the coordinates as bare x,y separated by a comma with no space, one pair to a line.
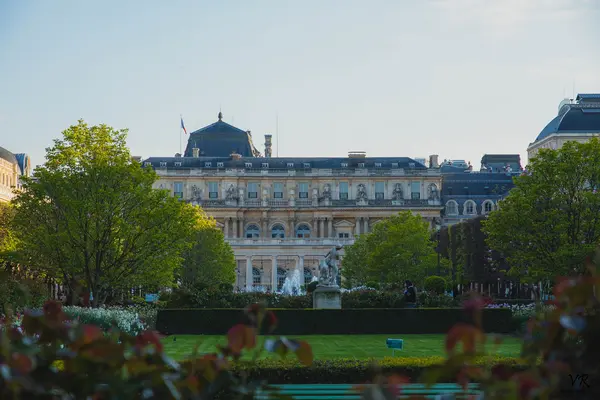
429,300
126,320
435,284
21,293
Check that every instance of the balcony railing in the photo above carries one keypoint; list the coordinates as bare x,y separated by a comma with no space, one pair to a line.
306,203
182,171
290,242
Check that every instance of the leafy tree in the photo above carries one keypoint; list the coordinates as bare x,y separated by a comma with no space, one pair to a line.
90,217
210,262
551,220
7,237
397,249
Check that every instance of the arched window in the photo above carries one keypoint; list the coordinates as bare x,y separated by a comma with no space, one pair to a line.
277,232
308,276
303,231
487,207
256,281
451,208
469,207
281,275
252,232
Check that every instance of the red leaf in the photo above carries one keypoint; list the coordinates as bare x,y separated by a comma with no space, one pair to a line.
469,335
149,337
241,337
53,311
22,363
304,353
270,321
91,333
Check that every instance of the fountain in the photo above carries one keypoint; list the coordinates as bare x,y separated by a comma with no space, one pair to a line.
292,283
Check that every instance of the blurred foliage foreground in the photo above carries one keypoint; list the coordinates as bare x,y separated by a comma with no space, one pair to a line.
50,357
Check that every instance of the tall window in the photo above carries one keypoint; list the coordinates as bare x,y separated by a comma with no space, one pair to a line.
281,275
213,190
343,235
277,232
451,208
379,190
278,190
415,190
303,190
253,190
343,190
252,232
178,190
487,207
469,207
256,281
303,231
308,276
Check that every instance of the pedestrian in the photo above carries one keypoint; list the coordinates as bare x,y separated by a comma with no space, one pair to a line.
410,295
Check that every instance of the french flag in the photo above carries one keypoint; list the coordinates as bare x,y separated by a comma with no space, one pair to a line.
183,126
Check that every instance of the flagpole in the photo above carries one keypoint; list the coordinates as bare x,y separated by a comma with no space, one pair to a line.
180,129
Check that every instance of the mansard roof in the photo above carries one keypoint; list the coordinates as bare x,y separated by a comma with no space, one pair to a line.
581,117
476,184
285,162
220,140
8,156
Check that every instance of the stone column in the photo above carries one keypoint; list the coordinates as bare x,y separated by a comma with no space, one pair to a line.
357,226
330,227
235,227
274,274
300,266
321,228
263,229
367,227
249,272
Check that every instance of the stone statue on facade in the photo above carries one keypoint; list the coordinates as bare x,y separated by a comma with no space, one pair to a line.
361,194
397,194
231,194
327,191
328,268
433,192
196,194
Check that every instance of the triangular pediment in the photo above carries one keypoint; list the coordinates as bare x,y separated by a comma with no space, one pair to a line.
219,225
343,224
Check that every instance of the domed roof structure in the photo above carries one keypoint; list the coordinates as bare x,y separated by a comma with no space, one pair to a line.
580,117
221,140
8,156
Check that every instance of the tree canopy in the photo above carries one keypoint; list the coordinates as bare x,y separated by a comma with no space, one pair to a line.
550,220
210,262
7,237
398,248
90,216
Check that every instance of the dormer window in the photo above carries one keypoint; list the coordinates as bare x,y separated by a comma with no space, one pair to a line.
147,164
163,163
361,165
178,163
394,165
248,165
377,165
290,165
411,165
220,164
265,165
344,165
207,164
306,165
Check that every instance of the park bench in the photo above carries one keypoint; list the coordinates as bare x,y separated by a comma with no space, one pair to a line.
349,392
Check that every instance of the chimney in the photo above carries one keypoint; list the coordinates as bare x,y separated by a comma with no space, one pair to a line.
433,161
268,145
236,156
195,152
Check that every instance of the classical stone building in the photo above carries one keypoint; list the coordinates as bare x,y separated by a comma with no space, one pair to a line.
467,193
284,214
12,167
579,121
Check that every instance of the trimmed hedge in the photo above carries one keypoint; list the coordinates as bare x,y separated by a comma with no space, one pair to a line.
322,322
348,370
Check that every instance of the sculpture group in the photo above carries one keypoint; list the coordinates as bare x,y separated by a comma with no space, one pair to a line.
328,268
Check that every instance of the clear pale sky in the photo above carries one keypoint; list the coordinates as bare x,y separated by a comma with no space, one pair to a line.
458,78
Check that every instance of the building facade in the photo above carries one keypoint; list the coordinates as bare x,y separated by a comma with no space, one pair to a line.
467,194
282,215
576,121
12,167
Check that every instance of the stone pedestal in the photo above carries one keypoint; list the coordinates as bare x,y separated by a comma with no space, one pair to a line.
327,297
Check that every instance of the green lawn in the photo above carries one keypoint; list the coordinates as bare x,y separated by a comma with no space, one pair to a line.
342,346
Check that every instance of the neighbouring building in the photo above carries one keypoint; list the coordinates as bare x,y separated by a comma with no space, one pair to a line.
467,193
12,167
577,120
284,214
